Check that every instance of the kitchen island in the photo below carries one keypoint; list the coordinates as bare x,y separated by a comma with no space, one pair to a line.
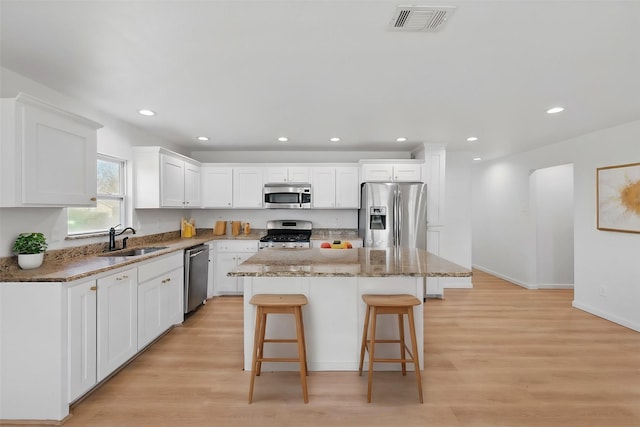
334,281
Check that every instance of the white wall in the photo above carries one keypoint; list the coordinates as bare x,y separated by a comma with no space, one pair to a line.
552,204
504,227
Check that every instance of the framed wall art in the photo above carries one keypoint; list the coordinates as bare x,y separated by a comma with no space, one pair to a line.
618,194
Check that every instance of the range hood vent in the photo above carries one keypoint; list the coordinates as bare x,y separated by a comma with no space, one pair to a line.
420,18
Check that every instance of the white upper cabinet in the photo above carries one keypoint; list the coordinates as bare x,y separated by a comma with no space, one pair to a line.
163,179
47,155
335,187
409,171
192,184
435,161
323,187
287,174
247,187
347,187
377,172
217,187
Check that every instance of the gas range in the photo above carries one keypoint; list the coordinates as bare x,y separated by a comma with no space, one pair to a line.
289,234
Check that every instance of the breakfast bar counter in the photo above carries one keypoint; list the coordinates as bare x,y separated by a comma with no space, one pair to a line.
334,280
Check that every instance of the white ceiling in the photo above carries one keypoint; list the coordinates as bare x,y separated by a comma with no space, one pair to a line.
246,72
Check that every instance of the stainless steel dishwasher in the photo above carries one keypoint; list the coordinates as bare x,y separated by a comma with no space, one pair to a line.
196,276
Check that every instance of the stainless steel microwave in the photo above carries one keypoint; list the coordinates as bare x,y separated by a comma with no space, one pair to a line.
287,196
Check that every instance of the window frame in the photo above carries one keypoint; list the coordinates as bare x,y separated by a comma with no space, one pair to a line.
121,196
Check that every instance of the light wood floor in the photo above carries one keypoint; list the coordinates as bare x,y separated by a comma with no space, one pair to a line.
496,355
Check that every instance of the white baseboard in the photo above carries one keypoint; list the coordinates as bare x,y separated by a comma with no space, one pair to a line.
456,282
608,316
523,284
555,286
503,277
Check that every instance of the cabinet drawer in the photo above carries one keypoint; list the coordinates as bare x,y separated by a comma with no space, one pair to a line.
160,266
237,246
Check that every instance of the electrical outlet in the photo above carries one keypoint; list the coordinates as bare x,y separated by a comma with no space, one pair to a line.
603,291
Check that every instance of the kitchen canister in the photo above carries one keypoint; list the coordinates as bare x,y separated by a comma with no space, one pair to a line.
220,228
235,228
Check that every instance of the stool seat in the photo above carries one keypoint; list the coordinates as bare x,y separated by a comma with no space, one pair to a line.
276,300
398,304
278,304
396,300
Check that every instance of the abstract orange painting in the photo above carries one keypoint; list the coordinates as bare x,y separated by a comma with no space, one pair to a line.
618,190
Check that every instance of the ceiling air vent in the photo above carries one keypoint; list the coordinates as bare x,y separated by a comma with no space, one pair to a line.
420,18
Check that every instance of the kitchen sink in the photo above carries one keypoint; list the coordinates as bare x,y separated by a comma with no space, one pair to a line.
134,252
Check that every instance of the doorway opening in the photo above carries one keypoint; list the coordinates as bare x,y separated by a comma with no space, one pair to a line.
552,199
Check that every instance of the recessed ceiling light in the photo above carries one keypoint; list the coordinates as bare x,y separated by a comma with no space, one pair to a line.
147,112
472,138
555,110
283,139
477,159
401,139
203,138
335,139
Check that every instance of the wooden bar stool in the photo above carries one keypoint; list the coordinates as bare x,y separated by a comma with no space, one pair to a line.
278,304
390,304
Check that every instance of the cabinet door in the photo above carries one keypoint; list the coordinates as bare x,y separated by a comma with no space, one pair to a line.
240,258
172,296
377,172
211,279
217,187
247,187
159,305
435,162
117,320
408,172
150,322
347,187
192,182
298,174
82,339
323,187
59,159
277,174
225,261
172,179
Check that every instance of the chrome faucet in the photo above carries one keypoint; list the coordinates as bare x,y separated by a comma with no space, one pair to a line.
113,234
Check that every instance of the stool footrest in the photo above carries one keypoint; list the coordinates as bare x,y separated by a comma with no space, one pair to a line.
280,340
278,359
406,348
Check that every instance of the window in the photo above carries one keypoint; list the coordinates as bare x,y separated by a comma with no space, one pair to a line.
109,210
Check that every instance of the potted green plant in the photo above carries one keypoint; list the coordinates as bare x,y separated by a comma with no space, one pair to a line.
30,249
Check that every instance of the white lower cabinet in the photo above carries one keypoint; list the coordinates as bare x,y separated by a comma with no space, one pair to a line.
160,296
82,338
117,320
230,254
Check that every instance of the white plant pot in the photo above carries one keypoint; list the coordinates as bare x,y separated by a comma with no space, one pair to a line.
29,261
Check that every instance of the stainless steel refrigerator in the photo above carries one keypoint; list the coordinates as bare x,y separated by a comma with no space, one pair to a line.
393,214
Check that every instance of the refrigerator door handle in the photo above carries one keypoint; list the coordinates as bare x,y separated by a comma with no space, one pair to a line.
399,221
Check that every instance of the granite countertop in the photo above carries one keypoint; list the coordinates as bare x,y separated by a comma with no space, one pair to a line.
66,265
365,262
